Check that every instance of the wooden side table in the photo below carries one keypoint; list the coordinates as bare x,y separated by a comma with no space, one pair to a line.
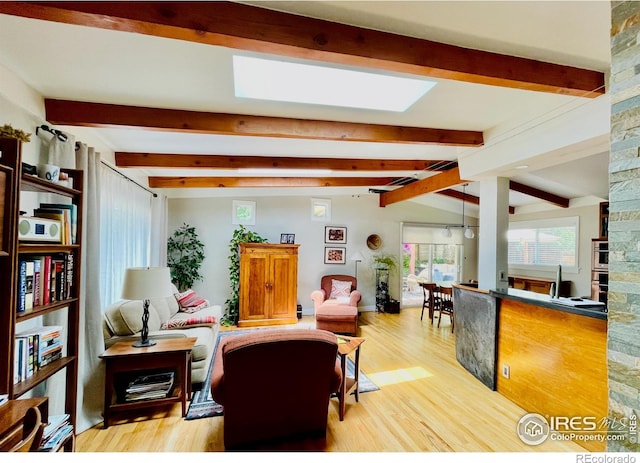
346,345
122,360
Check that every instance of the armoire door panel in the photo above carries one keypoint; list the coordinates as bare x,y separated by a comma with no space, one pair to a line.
268,284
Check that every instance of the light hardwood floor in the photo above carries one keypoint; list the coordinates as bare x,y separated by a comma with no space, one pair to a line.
426,403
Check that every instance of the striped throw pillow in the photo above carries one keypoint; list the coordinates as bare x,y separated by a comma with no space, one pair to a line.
190,302
177,323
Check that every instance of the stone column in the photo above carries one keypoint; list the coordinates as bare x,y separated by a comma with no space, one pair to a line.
624,225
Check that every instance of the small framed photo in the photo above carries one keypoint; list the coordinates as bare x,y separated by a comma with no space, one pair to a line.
337,235
335,255
287,238
320,209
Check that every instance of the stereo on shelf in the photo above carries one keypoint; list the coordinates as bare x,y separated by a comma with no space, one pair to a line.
38,229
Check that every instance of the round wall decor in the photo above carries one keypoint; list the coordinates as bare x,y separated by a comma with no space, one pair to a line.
374,242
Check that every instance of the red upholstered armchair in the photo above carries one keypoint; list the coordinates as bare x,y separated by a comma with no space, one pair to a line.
275,385
336,304
319,296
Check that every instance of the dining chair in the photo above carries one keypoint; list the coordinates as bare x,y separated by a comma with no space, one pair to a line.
428,301
443,303
27,437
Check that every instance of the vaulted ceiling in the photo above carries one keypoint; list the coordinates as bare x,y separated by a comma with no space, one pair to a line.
153,80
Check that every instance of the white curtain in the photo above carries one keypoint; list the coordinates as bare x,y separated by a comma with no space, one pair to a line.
91,342
159,232
126,225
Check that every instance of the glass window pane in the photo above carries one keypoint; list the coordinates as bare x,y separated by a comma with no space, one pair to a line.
543,246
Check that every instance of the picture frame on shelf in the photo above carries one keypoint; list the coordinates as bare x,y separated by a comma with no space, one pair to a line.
336,235
335,255
287,238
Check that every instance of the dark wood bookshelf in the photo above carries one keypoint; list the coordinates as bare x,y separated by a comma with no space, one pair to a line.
12,250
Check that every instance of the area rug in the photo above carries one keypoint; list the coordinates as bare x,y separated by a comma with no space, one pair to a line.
202,404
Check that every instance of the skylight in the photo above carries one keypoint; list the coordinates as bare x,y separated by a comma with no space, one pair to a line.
303,83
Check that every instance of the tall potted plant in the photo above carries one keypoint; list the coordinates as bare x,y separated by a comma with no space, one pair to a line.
240,235
385,261
185,253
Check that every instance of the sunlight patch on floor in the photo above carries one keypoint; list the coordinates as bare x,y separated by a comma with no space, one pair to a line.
384,378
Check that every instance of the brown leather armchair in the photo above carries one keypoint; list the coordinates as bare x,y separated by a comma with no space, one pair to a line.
275,385
336,315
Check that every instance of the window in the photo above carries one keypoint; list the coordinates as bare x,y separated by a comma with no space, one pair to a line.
544,244
435,263
125,215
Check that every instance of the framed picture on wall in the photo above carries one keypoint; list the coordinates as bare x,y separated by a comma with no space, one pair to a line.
335,255
337,235
320,209
243,213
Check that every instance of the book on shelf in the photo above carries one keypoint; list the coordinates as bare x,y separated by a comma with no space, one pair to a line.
21,364
53,214
22,286
45,279
54,423
28,295
37,290
73,217
43,346
56,432
58,279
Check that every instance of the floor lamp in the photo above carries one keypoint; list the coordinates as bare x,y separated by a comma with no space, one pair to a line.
357,257
144,283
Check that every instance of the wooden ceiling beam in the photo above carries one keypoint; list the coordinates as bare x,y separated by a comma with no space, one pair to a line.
252,28
79,113
206,161
467,198
540,194
266,182
440,181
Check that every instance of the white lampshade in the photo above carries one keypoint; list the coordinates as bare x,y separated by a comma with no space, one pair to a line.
446,232
146,283
357,256
468,233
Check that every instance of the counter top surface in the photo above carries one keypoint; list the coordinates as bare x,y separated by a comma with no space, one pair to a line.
583,307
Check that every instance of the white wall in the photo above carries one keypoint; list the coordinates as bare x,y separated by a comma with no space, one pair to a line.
275,215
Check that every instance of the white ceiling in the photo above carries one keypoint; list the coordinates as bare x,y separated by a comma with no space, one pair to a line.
87,64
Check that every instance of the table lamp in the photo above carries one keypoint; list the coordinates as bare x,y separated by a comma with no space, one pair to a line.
144,283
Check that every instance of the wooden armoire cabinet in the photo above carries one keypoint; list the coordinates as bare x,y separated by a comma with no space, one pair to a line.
268,284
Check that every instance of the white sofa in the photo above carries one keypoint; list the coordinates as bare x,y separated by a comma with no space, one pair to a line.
122,321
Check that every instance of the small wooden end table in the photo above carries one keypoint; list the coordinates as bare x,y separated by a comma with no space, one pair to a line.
167,354
347,345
